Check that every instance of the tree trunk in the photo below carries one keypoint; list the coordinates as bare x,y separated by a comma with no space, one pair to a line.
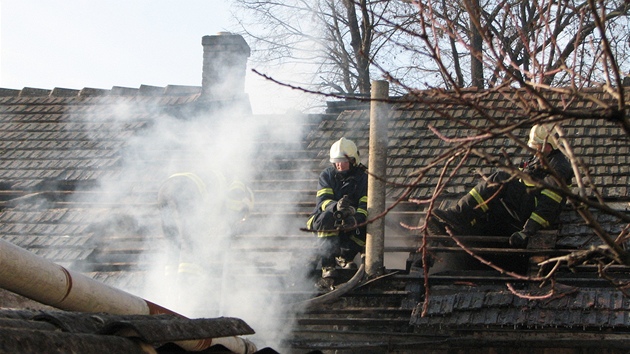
476,65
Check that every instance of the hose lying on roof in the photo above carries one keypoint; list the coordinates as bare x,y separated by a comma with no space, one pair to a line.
338,291
358,280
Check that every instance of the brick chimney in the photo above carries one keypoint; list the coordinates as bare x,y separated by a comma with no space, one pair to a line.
224,65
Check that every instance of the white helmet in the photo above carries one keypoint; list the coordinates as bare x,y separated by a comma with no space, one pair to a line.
343,149
540,134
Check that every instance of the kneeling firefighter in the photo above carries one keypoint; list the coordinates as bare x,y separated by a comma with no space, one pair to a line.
341,206
508,206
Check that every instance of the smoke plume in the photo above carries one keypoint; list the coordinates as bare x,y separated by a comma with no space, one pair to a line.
241,279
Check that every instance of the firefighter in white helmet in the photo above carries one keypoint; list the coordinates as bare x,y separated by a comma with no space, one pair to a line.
199,214
506,206
341,209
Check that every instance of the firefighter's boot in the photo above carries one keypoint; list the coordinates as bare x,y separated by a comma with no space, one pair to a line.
327,281
329,272
415,262
441,219
435,227
345,264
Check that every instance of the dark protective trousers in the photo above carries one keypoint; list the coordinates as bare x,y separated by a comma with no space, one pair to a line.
497,206
328,248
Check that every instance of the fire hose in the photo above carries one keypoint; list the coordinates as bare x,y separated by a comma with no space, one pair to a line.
358,280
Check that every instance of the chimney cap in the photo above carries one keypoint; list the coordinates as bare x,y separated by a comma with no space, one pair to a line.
224,38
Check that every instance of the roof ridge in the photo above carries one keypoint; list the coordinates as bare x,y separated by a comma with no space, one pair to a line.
143,90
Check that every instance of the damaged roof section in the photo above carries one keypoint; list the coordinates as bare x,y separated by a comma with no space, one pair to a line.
25,331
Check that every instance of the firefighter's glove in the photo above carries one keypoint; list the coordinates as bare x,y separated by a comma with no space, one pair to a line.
519,239
349,223
344,206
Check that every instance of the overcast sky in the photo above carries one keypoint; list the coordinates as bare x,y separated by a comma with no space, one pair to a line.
105,43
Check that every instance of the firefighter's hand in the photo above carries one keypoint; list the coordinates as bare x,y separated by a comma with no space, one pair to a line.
349,223
343,205
519,239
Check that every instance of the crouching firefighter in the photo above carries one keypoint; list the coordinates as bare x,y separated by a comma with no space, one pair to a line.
198,217
504,205
341,206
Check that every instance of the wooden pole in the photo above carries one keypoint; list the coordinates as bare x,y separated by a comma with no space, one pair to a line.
375,242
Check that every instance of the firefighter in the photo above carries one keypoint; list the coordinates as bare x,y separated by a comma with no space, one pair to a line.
341,206
505,205
198,216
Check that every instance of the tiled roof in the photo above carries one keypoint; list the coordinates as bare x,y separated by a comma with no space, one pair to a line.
602,145
74,189
580,308
54,144
71,138
57,145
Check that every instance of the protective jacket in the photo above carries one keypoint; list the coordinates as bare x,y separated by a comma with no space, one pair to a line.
332,186
502,204
547,204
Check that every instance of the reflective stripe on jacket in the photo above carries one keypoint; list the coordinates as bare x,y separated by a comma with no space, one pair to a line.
548,204
332,186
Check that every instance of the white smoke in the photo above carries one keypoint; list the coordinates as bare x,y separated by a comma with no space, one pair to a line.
246,283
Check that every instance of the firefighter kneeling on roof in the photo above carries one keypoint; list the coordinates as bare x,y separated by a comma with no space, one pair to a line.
504,205
198,217
341,206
